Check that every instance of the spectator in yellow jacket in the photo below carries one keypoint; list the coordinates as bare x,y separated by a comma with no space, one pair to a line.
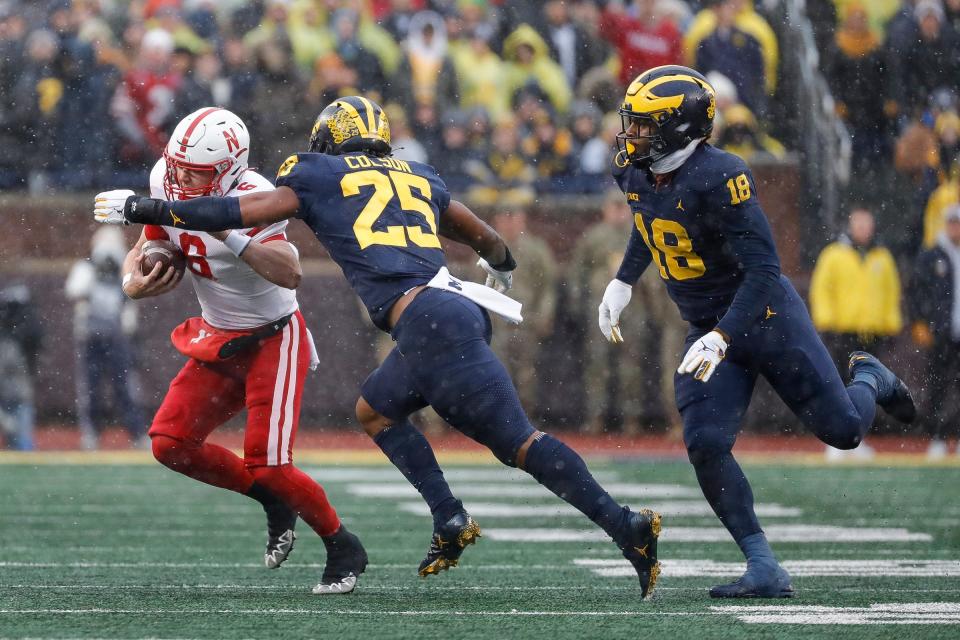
529,62
855,291
941,199
879,12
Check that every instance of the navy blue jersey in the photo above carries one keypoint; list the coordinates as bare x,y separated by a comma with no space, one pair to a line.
376,216
707,236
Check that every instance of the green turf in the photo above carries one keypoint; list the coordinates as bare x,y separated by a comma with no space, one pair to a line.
139,552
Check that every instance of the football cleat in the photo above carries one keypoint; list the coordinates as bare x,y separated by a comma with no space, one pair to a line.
280,536
346,560
893,395
279,548
448,543
640,548
767,580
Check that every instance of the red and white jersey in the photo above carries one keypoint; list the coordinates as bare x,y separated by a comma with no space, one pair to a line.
232,295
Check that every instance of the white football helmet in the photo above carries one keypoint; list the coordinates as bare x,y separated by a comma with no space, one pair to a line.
210,140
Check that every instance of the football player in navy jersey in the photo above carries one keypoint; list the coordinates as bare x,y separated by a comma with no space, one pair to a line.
697,218
380,218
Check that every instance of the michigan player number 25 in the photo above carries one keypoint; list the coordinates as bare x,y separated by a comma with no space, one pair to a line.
385,187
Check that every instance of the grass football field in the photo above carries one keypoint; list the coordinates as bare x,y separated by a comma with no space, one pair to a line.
93,547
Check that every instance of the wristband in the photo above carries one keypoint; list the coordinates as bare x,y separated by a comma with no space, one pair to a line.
723,334
237,242
508,264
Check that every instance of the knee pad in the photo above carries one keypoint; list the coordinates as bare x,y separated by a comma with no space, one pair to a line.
541,454
169,451
706,444
505,447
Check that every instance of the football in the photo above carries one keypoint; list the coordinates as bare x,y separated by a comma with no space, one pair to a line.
164,252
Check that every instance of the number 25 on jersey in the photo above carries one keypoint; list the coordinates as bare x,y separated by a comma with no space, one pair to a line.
385,186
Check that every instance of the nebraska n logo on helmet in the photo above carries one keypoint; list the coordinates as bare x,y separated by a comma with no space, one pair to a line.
675,103
210,141
351,124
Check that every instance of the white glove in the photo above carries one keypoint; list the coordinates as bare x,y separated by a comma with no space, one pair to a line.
108,206
615,299
704,356
497,280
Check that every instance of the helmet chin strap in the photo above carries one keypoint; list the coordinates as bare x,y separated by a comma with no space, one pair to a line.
672,161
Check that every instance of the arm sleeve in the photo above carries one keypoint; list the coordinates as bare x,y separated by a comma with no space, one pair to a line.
199,214
635,260
748,232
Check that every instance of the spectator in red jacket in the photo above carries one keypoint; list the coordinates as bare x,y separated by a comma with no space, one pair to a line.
144,103
649,39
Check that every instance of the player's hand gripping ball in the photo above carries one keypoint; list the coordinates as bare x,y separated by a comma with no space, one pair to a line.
166,253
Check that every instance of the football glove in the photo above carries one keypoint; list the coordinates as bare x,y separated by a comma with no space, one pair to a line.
704,356
497,280
108,206
615,299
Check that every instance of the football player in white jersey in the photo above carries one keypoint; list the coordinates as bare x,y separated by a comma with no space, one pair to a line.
250,347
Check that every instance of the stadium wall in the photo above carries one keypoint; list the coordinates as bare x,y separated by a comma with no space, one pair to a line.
47,235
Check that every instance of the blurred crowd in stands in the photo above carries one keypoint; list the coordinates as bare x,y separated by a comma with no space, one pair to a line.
893,67
512,100
515,96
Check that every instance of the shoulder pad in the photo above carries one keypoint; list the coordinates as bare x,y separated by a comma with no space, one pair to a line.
716,166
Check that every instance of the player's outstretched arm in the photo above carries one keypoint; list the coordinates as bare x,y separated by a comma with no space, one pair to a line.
136,283
461,224
199,214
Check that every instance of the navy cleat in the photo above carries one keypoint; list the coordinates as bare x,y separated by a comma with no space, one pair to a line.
448,543
640,548
892,393
346,560
280,536
761,580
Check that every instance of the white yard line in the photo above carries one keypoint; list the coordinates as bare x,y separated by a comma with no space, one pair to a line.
351,612
922,613
368,588
775,532
256,565
925,613
859,568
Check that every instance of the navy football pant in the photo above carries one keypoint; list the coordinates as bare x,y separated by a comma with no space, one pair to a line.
443,358
783,347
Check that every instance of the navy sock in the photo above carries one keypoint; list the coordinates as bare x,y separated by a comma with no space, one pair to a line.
757,550
727,490
560,469
410,452
863,395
